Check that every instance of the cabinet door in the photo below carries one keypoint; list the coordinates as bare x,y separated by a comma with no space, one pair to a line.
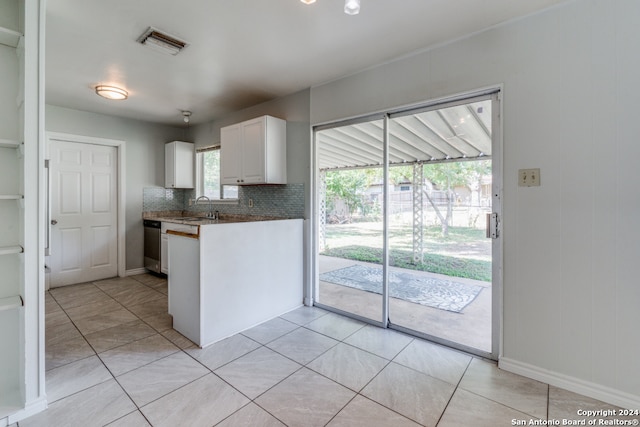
253,160
164,253
230,155
184,158
170,165
179,164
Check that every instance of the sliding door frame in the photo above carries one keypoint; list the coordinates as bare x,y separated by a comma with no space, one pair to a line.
495,95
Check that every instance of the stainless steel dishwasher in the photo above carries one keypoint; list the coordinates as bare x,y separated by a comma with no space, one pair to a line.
152,251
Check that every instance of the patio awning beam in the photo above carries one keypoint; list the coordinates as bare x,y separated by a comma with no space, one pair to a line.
342,152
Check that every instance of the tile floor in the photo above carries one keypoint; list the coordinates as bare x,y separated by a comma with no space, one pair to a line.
113,359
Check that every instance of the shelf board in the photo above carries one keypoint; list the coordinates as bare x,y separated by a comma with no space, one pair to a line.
9,37
7,250
9,143
11,197
10,303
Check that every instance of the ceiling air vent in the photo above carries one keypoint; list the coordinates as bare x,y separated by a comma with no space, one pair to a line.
161,42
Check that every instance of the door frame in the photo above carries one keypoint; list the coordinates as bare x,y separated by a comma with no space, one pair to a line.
121,188
497,310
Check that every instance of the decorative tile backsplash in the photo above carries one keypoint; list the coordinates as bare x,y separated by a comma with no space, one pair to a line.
162,199
281,201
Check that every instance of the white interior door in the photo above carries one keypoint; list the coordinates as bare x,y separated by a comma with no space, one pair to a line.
84,212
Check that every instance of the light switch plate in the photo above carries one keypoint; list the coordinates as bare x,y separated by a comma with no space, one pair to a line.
529,177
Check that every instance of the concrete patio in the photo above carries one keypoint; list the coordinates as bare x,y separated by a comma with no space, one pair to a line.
471,327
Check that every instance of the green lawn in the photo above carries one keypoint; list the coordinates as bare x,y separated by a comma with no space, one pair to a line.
464,253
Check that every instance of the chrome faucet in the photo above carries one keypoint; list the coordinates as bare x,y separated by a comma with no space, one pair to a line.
210,214
216,215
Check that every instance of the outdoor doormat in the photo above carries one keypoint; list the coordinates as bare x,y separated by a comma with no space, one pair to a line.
437,293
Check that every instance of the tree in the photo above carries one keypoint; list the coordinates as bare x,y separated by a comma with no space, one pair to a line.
446,176
350,186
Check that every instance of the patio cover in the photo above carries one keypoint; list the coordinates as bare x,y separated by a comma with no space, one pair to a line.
452,133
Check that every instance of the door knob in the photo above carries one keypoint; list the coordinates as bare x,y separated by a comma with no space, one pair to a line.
54,221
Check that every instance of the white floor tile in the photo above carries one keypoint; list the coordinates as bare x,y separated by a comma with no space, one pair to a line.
96,406
362,412
74,377
517,392
415,395
224,351
251,416
335,326
159,378
302,345
271,330
382,342
202,403
305,399
258,371
468,409
138,353
434,360
349,366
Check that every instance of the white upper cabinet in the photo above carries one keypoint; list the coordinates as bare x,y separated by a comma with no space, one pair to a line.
179,161
254,152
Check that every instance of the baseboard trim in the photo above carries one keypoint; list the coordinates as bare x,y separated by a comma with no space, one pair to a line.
586,388
31,408
135,271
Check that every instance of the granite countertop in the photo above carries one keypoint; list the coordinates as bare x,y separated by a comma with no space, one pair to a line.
181,217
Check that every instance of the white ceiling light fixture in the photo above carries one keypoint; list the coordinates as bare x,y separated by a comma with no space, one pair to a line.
352,7
186,116
111,92
161,42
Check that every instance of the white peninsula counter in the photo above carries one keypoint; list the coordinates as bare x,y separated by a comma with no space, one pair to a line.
231,276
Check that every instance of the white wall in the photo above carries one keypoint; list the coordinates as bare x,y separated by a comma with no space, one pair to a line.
570,76
144,158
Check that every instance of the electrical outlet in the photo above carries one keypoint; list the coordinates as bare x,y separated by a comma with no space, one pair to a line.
529,177
250,203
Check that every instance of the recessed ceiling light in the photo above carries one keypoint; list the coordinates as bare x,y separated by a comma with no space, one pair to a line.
308,1
111,92
352,7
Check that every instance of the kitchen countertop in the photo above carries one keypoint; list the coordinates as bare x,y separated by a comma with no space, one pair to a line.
178,217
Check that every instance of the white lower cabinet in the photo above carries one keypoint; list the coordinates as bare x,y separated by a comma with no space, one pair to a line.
234,276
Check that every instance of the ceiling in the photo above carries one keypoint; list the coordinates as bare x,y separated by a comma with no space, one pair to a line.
240,52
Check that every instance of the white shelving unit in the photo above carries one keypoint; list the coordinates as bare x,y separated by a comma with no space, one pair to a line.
8,250
22,385
9,37
11,303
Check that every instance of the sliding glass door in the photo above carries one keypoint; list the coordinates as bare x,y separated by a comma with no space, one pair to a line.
350,228
440,257
402,206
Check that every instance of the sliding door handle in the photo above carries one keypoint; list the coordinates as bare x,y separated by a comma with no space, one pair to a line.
493,226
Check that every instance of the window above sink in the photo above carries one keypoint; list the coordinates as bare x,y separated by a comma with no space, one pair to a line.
208,176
